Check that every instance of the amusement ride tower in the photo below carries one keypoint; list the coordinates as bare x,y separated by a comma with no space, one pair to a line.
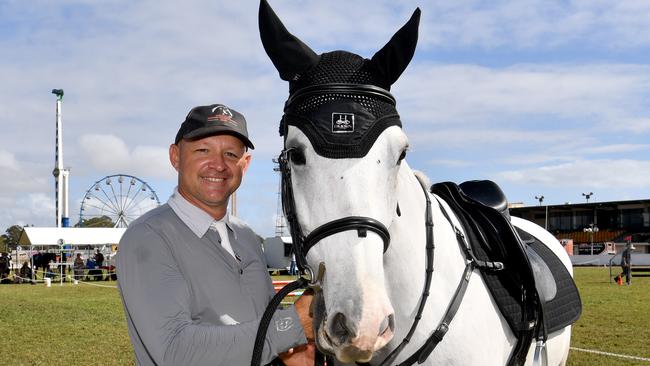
61,174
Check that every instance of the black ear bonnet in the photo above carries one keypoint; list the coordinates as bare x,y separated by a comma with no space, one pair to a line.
339,100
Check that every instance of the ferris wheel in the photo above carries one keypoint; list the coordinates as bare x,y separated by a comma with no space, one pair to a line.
115,201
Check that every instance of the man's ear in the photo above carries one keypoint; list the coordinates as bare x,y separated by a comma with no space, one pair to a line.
246,161
174,155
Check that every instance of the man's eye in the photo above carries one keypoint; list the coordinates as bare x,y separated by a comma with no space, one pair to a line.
231,155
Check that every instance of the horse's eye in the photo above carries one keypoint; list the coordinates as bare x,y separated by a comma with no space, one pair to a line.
298,157
401,156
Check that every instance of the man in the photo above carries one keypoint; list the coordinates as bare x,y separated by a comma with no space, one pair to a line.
25,274
193,279
99,258
626,262
78,267
4,268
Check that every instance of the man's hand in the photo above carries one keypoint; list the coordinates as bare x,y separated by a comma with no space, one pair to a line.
302,306
299,356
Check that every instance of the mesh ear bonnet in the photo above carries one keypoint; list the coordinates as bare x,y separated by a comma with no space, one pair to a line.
340,106
339,100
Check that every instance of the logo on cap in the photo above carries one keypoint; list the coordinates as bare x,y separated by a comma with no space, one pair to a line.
342,122
223,114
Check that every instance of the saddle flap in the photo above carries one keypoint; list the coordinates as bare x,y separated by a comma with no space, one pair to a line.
544,279
565,307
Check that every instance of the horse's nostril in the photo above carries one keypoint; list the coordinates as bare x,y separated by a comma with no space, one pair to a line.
340,329
387,325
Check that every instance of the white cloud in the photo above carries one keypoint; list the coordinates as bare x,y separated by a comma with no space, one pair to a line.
454,163
8,160
536,24
615,148
110,153
470,93
30,208
604,174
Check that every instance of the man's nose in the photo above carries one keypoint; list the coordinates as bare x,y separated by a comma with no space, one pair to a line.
217,162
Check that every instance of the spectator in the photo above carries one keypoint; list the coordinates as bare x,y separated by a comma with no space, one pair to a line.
4,268
78,266
292,267
626,263
25,273
99,259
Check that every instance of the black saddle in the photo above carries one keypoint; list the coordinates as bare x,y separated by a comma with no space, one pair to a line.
534,291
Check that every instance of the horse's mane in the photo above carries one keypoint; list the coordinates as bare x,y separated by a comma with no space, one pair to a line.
426,182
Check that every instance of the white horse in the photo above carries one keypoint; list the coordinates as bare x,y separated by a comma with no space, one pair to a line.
370,295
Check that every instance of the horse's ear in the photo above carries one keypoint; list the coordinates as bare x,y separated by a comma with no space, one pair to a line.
290,55
392,59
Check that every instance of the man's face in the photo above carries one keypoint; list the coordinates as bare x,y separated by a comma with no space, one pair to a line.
209,170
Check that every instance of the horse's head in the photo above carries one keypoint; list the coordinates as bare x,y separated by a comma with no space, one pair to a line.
343,150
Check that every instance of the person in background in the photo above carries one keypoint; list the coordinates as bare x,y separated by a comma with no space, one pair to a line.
78,267
4,268
192,277
626,262
292,266
25,274
99,258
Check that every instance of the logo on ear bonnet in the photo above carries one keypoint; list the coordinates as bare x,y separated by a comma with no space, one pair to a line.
342,122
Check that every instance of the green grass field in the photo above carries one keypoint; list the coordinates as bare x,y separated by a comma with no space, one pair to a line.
84,324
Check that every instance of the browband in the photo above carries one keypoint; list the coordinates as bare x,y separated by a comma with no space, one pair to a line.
341,88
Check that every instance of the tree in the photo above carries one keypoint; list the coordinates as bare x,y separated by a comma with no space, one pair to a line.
102,221
10,237
3,244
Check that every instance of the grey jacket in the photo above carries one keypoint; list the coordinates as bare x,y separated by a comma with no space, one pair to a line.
189,302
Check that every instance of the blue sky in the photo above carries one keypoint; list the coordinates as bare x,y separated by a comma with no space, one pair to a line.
544,97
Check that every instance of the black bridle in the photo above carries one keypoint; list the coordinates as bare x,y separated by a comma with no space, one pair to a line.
301,243
362,224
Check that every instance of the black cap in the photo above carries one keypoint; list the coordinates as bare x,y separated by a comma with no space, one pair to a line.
214,119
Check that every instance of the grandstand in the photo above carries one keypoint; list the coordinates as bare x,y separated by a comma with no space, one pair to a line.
598,222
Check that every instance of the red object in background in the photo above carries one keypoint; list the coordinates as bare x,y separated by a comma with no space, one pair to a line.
628,238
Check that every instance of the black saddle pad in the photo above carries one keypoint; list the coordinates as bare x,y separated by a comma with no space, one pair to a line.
565,308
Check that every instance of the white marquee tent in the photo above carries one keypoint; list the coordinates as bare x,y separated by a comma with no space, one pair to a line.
65,239
44,236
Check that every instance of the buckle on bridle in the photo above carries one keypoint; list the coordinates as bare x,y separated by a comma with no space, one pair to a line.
315,282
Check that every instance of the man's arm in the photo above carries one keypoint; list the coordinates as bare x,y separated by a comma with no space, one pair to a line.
156,300
303,355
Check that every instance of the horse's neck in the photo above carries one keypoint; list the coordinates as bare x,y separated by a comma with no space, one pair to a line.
406,259
404,267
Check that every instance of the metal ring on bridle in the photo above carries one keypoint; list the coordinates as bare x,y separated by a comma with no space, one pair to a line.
310,274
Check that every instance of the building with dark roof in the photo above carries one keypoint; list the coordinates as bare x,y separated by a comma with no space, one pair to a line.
598,222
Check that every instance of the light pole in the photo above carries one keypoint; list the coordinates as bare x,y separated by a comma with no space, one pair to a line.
540,198
588,196
591,230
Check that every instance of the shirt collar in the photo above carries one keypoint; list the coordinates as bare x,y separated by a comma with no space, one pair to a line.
195,218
